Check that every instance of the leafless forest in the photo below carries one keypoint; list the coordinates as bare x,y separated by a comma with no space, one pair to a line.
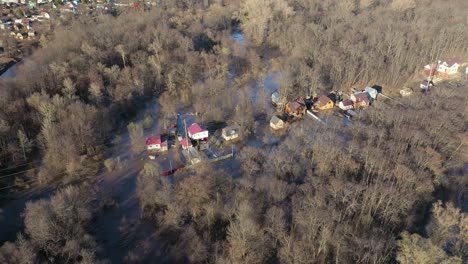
390,187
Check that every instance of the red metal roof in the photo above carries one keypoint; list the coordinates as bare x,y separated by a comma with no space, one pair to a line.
154,140
185,143
194,129
451,62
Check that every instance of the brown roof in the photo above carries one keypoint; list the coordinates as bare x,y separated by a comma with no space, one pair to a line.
361,97
293,106
322,101
347,102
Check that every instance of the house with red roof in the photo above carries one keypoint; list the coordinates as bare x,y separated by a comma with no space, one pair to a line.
195,132
155,143
448,67
442,69
185,143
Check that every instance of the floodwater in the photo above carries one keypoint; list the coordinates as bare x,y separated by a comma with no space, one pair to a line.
238,36
119,229
11,72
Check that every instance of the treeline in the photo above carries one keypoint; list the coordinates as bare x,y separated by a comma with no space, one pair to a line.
339,44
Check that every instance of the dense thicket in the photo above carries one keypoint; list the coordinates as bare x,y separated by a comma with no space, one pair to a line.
366,192
344,43
329,193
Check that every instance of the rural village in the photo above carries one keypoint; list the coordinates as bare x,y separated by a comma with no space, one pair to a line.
25,23
186,142
233,131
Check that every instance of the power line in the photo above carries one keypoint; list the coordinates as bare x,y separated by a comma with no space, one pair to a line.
33,180
19,172
11,186
21,165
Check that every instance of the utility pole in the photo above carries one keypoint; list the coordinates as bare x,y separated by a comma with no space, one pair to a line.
186,138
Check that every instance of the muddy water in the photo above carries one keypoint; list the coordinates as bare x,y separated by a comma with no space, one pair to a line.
11,72
119,229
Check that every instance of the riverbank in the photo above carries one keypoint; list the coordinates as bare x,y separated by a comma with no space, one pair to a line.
6,64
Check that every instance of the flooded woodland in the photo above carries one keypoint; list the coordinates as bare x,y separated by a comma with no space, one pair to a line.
196,132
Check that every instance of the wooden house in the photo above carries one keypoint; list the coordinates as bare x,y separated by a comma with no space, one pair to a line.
276,123
296,108
346,105
360,99
324,103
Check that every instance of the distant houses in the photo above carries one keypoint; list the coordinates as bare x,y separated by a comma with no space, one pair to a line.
448,67
443,68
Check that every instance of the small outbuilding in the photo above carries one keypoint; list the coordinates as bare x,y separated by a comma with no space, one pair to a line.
276,123
230,133
185,143
406,91
275,98
372,92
